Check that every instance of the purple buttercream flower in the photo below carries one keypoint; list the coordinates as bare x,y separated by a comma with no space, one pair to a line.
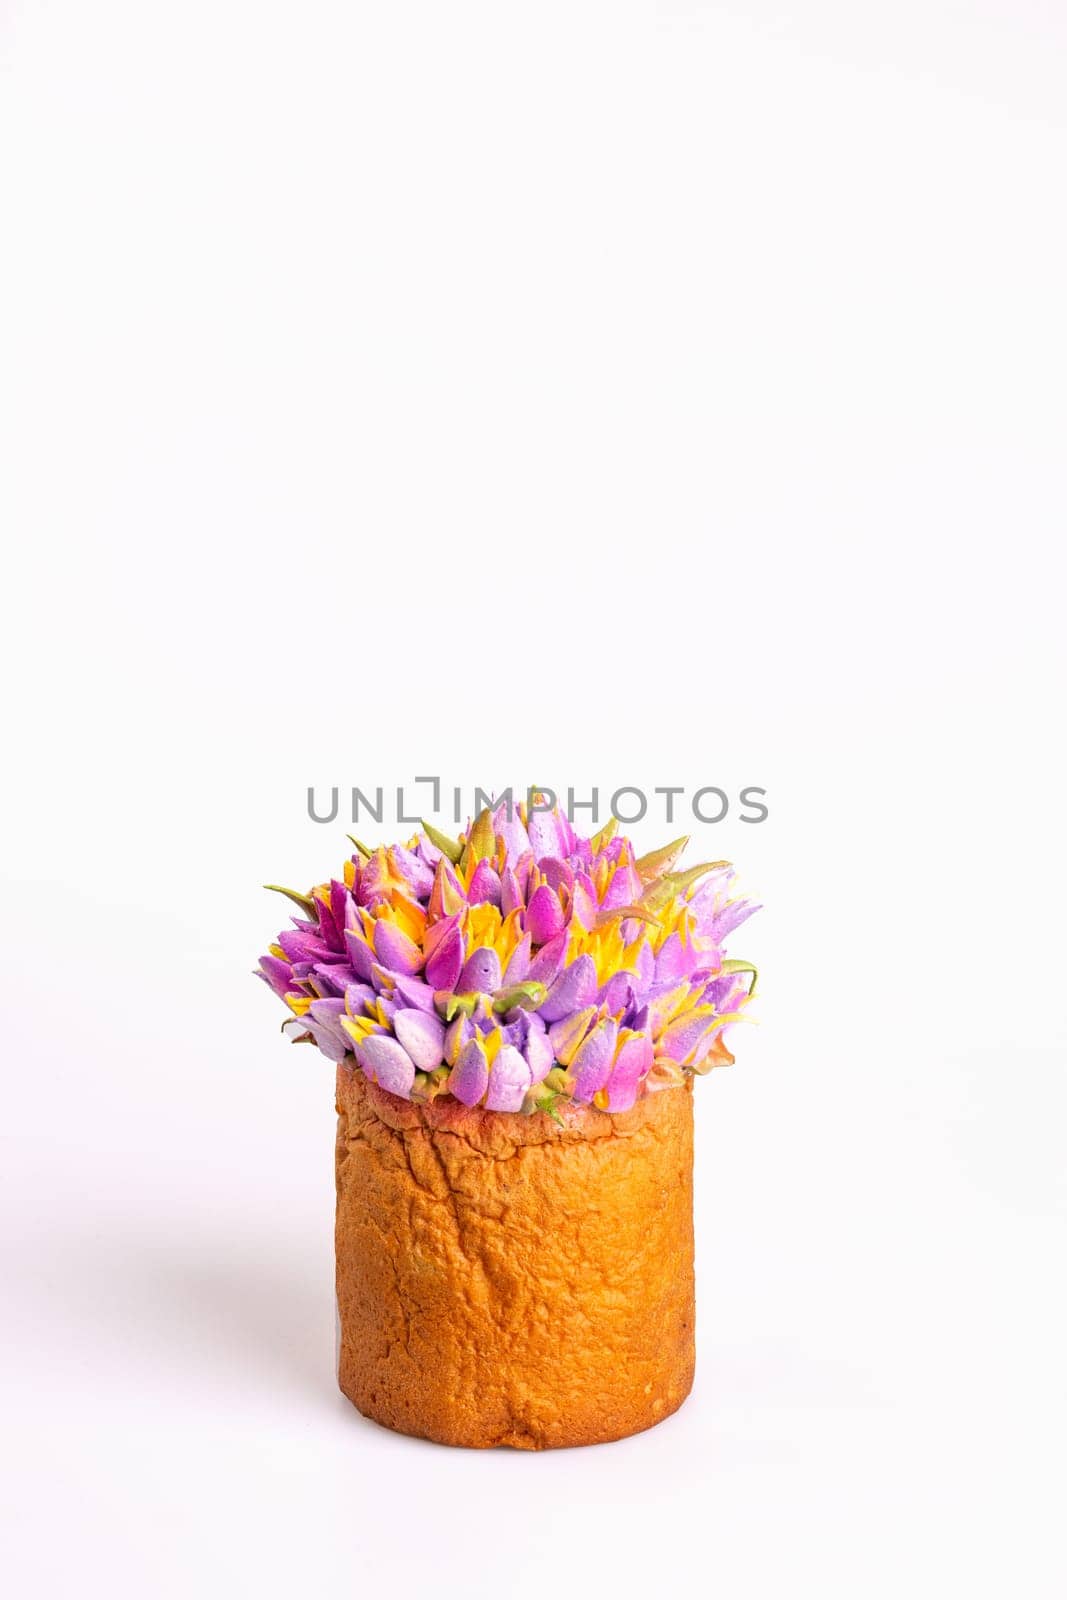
673,963
631,1064
485,887
357,996
585,907
511,898
730,918
509,1079
360,954
518,967
328,929
395,950
548,960
549,834
469,1078
416,875
302,946
481,973
538,1050
422,1036
328,1040
413,992
718,991
446,963
680,1039
544,915
459,1032
567,1034
557,874
279,974
573,989
593,1059
327,1010
386,1062
322,1022
341,907
623,890
646,970
511,830
618,993
336,977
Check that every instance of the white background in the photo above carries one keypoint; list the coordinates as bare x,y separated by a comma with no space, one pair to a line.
581,392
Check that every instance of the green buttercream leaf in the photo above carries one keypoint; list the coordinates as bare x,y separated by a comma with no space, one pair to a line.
605,836
528,996
659,895
453,1004
657,862
543,1098
448,847
642,911
743,966
304,901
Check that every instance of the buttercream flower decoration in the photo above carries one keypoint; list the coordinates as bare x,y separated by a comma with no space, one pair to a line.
518,966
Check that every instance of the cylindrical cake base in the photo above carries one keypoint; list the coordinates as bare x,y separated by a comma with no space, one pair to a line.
503,1280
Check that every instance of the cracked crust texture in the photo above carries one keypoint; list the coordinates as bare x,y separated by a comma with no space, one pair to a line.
502,1280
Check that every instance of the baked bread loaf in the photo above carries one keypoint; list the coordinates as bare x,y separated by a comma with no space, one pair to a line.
504,1280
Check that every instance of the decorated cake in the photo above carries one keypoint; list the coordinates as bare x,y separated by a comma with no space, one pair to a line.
517,1016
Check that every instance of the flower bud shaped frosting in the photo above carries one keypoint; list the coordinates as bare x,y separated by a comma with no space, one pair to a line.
518,966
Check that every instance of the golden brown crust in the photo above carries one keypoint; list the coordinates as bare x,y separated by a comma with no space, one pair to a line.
503,1280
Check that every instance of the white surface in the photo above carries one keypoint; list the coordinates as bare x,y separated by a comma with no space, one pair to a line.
607,393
